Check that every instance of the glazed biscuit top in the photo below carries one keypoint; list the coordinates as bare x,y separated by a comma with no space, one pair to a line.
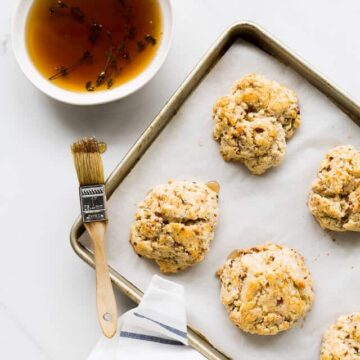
256,140
180,201
256,94
256,135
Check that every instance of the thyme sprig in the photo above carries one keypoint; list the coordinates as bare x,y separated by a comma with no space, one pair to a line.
63,71
110,69
102,75
95,30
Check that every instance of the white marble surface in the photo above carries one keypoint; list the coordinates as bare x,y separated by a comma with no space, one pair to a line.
47,300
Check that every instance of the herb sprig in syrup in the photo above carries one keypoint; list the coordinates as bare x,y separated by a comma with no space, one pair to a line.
116,52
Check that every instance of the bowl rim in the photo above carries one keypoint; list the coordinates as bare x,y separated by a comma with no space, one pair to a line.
18,23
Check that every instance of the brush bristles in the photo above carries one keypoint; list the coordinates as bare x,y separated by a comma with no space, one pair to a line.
87,160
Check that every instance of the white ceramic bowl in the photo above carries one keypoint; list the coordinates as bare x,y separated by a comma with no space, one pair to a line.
87,98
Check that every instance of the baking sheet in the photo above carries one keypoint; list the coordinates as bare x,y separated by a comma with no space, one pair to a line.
252,209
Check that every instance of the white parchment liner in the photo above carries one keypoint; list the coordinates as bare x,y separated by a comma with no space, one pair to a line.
253,210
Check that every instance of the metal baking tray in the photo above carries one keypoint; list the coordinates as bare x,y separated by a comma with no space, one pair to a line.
257,36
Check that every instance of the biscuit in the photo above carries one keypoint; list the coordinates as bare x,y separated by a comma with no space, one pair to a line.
342,340
253,122
175,224
266,289
334,198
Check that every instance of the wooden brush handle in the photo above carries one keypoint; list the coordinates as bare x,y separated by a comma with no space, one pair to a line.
105,299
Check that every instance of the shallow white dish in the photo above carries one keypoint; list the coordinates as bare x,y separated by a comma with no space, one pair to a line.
93,98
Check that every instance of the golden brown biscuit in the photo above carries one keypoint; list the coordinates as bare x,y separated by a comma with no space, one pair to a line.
335,194
253,122
175,224
266,289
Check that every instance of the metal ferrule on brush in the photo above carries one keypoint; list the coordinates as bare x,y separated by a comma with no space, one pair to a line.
93,203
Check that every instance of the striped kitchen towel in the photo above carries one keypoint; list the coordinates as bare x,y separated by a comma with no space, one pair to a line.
156,329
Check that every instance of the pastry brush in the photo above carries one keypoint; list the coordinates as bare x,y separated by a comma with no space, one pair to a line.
89,168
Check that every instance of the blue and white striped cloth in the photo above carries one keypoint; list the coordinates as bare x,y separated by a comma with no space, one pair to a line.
156,329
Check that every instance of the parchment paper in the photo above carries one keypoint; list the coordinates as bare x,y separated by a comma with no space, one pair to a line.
253,210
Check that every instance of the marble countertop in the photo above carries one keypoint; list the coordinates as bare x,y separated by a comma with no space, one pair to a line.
47,298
